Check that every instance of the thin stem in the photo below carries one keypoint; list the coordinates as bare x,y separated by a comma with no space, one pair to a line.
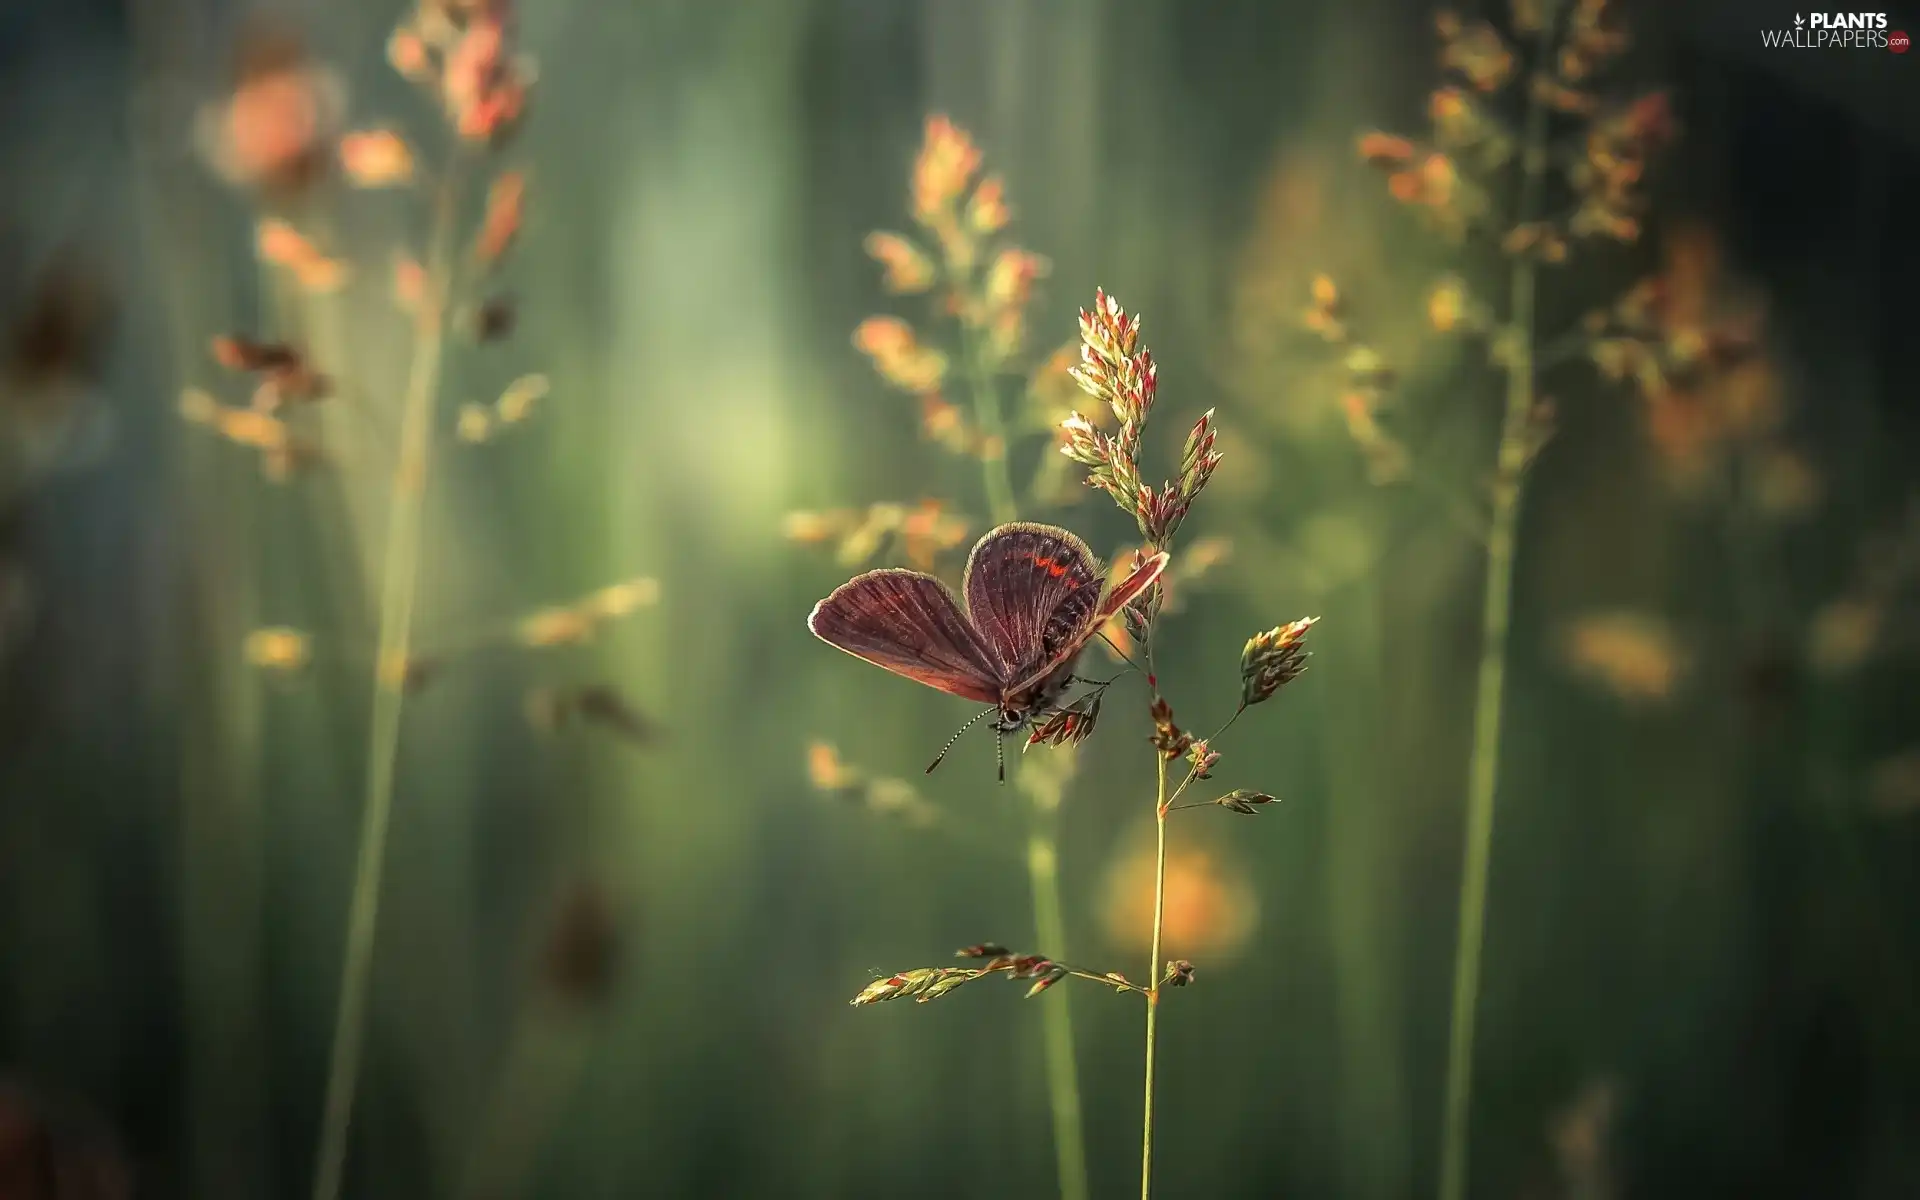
1124,656
1483,767
399,577
1109,981
1056,1022
1104,980
1043,857
1153,967
1220,732
986,407
1456,508
542,1064
1193,772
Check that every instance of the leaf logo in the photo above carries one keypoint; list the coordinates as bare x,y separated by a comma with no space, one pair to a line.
1798,21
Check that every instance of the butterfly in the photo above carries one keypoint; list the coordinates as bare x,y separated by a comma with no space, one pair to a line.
1035,596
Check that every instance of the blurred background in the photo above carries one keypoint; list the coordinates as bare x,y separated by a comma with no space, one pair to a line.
648,837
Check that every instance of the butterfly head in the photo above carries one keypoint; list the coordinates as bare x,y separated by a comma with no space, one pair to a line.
1012,720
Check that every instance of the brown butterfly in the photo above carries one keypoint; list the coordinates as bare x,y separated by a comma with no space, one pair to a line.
1035,596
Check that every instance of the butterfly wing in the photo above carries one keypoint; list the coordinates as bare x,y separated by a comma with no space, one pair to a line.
1030,589
910,624
1145,573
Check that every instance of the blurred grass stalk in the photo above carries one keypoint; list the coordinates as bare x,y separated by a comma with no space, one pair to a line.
1483,770
542,1064
224,1135
398,580
1043,851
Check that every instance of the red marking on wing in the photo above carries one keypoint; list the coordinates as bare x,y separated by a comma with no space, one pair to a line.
910,624
1055,569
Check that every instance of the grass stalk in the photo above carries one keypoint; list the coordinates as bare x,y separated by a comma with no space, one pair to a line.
1043,855
1160,810
1484,764
398,579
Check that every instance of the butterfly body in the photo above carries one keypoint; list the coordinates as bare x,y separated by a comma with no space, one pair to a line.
1034,596
1018,709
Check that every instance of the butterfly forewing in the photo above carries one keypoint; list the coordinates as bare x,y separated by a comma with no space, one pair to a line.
910,624
1031,591
1145,573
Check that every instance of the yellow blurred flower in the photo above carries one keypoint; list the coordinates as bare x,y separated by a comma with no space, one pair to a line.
516,403
1434,182
1634,655
898,355
1452,114
864,541
908,269
1844,633
947,161
409,283
376,158
987,210
407,52
1384,150
928,531
500,223
1447,304
278,648
804,526
1476,51
942,421
622,598
556,627
1323,315
573,624
474,424
281,245
1011,275
825,770
1210,909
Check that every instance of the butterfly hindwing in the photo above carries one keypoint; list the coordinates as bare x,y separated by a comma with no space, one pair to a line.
1031,591
910,624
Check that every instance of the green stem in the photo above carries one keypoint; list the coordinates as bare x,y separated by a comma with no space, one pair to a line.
1484,765
399,576
542,1064
986,407
1153,967
1063,1084
1043,857
1167,803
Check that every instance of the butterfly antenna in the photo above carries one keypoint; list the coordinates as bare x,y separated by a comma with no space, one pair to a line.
1000,753
971,722
1124,656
